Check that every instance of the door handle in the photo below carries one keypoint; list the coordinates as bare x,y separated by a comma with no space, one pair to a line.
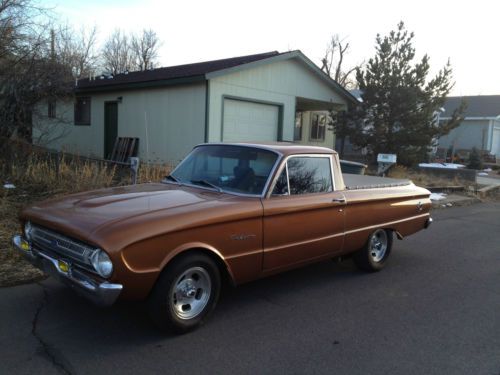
338,200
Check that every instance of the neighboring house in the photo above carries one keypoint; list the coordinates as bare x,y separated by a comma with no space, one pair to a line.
170,110
480,127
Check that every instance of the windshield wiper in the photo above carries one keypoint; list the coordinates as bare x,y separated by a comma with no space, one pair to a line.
172,178
207,183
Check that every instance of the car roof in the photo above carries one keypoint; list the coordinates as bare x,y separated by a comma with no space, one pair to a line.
284,148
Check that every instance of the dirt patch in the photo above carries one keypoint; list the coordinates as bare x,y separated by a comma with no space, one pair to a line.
14,269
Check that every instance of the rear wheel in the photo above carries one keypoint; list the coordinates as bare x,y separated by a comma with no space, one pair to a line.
374,254
185,294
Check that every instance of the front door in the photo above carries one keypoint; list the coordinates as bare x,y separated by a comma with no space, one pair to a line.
304,216
110,127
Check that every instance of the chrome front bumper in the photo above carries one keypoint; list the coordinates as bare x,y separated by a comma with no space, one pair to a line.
101,293
428,223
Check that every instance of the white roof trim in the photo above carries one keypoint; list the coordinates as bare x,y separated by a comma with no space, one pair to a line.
286,56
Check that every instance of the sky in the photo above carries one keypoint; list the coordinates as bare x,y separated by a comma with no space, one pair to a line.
466,33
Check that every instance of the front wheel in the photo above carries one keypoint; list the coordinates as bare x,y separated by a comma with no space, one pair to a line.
185,294
374,254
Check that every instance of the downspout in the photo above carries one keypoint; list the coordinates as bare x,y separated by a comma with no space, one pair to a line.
490,135
207,108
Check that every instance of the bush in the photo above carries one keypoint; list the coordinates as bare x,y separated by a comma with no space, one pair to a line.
475,161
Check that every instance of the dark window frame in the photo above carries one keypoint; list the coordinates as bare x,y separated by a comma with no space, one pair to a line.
79,115
298,116
319,136
51,108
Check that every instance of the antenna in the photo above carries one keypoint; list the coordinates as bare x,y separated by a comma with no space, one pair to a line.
147,136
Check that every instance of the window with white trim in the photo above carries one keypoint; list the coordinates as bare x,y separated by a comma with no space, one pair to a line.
318,126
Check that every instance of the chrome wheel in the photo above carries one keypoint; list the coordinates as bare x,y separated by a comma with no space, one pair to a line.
378,245
191,293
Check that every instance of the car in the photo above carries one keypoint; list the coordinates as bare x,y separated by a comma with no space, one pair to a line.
228,213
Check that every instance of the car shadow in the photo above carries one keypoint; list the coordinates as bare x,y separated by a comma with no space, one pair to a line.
68,321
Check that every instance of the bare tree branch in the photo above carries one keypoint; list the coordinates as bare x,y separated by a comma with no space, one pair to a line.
145,49
76,49
335,53
116,53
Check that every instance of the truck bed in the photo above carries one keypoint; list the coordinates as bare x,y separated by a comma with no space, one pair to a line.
357,181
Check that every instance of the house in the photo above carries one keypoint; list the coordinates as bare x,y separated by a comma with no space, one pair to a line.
480,127
264,97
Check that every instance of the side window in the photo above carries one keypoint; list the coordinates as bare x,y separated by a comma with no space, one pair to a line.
281,187
318,125
82,111
309,175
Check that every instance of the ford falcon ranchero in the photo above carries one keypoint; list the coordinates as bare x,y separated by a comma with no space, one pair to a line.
228,213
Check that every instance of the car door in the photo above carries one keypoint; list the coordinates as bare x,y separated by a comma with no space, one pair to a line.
303,215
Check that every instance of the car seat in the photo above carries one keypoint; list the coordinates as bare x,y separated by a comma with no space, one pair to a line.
244,176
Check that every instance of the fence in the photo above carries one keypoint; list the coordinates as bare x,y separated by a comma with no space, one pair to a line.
18,154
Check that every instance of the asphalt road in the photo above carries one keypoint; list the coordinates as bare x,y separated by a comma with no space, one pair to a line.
435,309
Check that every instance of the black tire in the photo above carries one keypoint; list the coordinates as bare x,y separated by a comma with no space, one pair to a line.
185,293
373,256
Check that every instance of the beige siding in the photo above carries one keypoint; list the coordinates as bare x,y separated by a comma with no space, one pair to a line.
167,121
61,133
470,133
278,83
329,140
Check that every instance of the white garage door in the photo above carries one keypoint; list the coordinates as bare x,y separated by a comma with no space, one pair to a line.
246,121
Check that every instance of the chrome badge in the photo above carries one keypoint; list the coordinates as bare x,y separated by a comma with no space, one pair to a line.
241,237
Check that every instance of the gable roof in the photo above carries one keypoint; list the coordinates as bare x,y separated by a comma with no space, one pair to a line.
477,106
197,72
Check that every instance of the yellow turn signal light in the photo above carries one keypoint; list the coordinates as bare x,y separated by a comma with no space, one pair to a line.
25,246
63,266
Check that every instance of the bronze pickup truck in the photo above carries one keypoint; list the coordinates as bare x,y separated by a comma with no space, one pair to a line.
228,213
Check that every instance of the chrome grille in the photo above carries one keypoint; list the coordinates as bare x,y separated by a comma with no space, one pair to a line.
76,251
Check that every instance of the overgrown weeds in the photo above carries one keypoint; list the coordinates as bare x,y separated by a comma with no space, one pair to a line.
423,179
38,175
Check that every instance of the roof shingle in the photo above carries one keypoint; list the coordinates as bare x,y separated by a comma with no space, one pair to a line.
477,106
172,72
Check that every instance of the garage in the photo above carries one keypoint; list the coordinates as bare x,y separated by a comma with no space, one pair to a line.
495,141
246,121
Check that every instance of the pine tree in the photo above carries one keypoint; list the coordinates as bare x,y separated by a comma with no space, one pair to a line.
475,161
398,111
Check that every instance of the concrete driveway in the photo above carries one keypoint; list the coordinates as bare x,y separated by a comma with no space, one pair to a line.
488,180
435,309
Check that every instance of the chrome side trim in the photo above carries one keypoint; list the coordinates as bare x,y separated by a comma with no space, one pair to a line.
248,253
386,224
102,293
376,226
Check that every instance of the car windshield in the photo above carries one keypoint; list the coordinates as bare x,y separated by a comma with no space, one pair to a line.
238,169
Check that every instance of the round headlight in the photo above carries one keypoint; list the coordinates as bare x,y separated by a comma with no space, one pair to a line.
27,230
102,263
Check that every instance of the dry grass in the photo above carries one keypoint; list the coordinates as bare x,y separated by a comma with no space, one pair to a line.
65,176
38,176
422,179
153,172
13,269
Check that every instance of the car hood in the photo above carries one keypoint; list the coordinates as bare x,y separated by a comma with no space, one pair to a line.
82,215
